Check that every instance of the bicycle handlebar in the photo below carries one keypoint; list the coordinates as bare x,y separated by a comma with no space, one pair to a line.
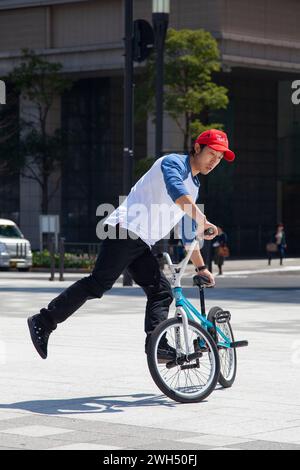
209,231
182,265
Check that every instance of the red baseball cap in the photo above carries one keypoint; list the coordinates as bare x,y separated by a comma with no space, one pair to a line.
217,140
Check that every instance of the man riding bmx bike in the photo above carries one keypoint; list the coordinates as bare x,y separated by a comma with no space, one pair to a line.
166,193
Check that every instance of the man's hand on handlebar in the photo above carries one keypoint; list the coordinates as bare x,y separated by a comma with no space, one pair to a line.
206,273
210,231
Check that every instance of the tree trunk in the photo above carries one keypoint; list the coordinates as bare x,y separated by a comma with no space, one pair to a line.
186,134
45,204
44,167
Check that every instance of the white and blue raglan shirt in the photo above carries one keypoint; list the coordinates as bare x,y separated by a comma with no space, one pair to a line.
150,210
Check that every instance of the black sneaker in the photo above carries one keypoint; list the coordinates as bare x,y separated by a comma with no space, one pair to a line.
39,335
165,352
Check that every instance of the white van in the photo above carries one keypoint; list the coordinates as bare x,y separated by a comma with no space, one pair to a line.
15,250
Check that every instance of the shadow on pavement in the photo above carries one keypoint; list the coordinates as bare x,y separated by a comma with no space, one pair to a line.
103,404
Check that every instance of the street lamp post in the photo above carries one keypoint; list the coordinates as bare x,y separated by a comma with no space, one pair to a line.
160,18
128,99
128,111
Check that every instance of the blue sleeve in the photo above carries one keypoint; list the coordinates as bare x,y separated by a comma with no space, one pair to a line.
187,229
174,172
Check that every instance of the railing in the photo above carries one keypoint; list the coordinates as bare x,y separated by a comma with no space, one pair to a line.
85,251
243,242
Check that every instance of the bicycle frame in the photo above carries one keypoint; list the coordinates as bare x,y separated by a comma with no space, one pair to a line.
184,308
187,311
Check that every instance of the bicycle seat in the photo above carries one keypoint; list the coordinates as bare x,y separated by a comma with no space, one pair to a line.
200,281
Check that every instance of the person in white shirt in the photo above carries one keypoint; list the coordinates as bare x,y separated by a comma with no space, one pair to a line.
155,204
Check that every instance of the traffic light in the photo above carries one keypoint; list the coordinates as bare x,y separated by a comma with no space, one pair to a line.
143,40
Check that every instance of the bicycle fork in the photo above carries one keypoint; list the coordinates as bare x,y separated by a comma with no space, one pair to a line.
185,360
180,313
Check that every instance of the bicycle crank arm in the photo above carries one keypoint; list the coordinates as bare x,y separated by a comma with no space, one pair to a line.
190,366
182,359
239,344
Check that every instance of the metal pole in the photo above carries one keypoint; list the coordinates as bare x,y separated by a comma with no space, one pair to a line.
128,99
259,238
61,258
52,258
128,111
239,240
160,26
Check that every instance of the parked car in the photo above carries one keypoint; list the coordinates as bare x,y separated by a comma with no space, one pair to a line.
15,250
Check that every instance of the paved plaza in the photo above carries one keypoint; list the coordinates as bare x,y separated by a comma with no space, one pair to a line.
95,392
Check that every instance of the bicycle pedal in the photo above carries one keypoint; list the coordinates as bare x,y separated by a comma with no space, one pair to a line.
181,360
190,366
223,316
239,344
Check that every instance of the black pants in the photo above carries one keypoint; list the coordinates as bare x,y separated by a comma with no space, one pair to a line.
114,257
281,253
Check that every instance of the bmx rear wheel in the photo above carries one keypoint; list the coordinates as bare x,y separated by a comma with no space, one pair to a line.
228,359
191,376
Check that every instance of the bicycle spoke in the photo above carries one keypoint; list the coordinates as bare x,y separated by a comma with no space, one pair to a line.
185,380
227,355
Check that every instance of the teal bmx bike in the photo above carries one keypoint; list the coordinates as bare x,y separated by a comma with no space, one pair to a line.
204,344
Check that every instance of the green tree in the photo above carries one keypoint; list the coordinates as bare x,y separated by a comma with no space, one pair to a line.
38,152
191,58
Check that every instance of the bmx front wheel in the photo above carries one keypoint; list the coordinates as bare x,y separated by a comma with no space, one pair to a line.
193,374
228,359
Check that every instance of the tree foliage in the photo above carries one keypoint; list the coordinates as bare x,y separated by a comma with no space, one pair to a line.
191,59
37,152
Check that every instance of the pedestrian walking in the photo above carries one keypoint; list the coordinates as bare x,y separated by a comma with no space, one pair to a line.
163,196
176,246
221,250
277,244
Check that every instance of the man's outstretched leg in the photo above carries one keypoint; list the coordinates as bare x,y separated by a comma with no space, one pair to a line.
114,257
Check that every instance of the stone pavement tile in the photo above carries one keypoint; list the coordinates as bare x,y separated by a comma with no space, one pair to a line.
138,442
264,410
124,430
27,442
214,440
115,440
168,445
85,446
287,435
19,421
224,448
131,441
98,438
250,429
266,445
7,448
294,422
4,415
36,431
100,428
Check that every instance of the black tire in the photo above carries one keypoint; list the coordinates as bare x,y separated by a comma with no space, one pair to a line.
24,270
152,363
225,380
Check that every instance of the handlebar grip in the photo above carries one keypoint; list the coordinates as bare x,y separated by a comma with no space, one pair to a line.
209,231
205,278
